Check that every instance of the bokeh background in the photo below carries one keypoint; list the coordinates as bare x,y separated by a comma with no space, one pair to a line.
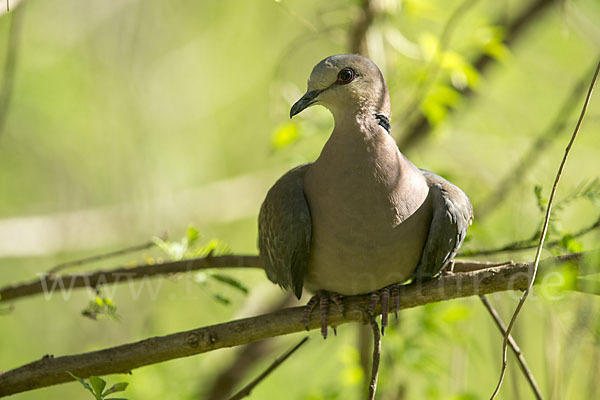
125,120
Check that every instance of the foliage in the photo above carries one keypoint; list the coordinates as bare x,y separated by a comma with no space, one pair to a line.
96,385
101,306
190,247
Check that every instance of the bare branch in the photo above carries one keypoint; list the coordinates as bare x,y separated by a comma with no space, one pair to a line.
124,358
246,390
514,346
544,230
125,274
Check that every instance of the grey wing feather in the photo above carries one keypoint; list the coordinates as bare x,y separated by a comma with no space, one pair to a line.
452,215
284,231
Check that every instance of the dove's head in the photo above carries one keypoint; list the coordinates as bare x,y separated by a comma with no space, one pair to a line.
346,83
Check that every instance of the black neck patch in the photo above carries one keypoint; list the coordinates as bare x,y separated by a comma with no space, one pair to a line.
383,121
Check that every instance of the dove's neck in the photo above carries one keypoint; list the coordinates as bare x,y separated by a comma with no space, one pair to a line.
361,156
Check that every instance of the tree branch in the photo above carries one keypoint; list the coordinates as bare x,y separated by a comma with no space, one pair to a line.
46,282
124,358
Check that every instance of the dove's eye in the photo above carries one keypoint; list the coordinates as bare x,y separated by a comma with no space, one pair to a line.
346,75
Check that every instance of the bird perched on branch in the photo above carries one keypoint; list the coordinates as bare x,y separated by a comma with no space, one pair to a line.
361,218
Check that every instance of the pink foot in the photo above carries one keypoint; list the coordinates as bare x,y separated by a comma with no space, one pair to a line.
322,297
383,296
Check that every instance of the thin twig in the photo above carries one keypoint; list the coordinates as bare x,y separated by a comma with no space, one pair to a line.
527,244
278,361
528,160
126,357
299,17
544,231
376,358
10,64
98,257
47,283
514,346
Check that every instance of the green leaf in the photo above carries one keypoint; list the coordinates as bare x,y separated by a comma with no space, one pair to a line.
285,135
101,306
435,105
192,235
228,280
462,73
213,247
221,299
491,39
83,383
497,50
117,387
98,384
569,243
541,202
434,112
163,245
429,44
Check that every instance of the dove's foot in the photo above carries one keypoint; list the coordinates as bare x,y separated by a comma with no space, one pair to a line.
323,298
384,296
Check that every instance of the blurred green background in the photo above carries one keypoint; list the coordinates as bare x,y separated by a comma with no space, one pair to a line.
124,120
